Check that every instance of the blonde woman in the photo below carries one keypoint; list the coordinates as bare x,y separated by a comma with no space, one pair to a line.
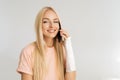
50,57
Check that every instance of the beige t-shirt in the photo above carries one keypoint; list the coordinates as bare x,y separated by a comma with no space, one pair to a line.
26,62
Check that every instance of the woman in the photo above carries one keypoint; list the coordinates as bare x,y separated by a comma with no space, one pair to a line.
50,57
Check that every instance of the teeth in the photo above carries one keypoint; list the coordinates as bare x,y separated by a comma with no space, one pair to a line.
51,31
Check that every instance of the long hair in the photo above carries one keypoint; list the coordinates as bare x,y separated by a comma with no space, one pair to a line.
40,68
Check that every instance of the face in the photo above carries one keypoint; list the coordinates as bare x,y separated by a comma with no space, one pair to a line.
50,24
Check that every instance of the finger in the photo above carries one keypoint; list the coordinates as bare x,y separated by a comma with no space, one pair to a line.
64,37
64,32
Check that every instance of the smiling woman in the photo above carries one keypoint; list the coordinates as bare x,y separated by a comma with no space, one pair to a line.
50,25
49,57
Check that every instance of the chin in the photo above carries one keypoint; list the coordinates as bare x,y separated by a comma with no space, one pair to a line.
52,36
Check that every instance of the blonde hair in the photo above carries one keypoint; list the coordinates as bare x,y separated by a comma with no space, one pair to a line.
40,68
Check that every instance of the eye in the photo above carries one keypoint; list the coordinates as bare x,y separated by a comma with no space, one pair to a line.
45,21
56,21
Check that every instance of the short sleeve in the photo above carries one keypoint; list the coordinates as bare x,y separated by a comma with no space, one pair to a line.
25,62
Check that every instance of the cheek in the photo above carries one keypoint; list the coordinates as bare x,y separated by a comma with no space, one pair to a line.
43,30
57,27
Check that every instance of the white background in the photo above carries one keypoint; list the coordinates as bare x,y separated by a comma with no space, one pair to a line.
94,26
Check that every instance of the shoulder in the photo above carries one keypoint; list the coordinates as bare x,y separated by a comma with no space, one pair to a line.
30,46
28,49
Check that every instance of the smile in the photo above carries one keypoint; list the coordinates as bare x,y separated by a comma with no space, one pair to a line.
51,31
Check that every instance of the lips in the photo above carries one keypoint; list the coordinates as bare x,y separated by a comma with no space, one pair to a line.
51,31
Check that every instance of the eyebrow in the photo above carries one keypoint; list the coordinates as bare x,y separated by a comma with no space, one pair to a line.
49,19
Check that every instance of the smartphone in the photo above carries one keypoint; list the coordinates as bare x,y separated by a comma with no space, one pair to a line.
58,35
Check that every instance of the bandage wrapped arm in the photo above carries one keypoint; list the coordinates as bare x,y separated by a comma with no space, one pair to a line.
70,62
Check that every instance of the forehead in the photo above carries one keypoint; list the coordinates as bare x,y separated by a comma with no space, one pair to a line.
50,14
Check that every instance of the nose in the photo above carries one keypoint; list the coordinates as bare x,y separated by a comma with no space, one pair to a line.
51,24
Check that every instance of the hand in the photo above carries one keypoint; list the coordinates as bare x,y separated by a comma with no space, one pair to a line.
64,34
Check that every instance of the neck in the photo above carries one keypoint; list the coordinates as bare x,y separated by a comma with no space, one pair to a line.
49,42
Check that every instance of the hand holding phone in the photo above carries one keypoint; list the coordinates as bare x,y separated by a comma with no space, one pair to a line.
64,34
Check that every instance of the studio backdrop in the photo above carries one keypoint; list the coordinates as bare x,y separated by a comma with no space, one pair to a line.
94,26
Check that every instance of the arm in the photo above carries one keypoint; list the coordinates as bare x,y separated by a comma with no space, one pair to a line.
25,64
70,62
25,76
70,75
